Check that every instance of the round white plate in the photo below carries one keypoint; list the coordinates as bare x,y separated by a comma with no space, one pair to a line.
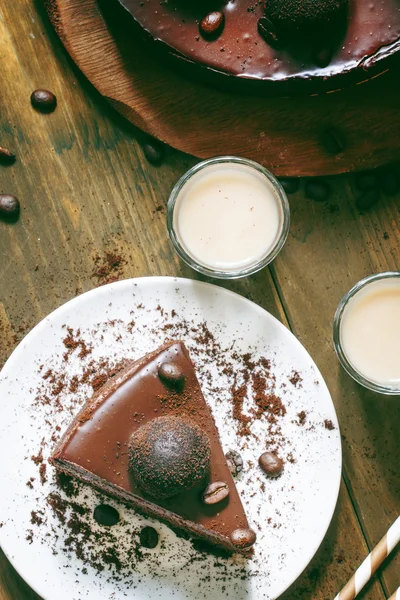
124,320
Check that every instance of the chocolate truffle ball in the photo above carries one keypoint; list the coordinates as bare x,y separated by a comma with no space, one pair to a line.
169,455
296,14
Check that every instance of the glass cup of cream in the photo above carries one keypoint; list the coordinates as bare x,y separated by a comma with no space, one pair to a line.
366,332
228,217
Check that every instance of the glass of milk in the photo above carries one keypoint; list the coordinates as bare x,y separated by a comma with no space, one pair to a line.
366,332
228,217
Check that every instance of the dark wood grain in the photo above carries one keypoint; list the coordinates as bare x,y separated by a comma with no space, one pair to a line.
284,134
86,188
330,248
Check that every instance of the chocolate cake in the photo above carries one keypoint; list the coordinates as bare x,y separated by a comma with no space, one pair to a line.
148,439
289,43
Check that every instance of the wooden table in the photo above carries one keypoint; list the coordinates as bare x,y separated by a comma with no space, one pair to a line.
86,188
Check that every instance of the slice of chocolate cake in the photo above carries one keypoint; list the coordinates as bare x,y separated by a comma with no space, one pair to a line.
148,439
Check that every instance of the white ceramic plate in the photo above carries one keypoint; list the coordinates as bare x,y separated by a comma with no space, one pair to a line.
124,320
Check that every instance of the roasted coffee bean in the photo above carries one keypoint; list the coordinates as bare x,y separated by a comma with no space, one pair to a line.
290,184
271,464
215,492
107,515
234,462
212,24
333,141
9,207
154,152
243,538
368,199
389,181
171,373
6,157
268,32
148,537
44,101
366,180
317,189
322,56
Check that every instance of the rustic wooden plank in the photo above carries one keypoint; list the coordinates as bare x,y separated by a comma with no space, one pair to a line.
86,189
282,133
330,248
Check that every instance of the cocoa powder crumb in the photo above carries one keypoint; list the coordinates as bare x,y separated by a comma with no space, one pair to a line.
302,416
72,341
329,425
109,268
38,459
42,473
295,379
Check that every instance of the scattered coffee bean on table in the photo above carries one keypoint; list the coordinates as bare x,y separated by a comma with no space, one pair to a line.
271,464
317,189
44,101
215,492
333,141
389,181
171,373
366,180
9,207
154,152
6,157
268,32
107,515
290,184
368,199
212,24
243,538
148,537
234,462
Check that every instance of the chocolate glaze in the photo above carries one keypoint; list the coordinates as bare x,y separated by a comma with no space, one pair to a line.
95,447
369,33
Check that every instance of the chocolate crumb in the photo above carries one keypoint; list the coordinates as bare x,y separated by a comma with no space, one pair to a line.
302,417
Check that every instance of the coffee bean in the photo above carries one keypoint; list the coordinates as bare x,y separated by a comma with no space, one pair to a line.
43,100
9,207
234,462
366,180
6,157
148,537
368,199
271,464
243,538
322,56
290,184
389,181
154,152
333,141
107,515
171,373
215,492
317,189
212,24
268,32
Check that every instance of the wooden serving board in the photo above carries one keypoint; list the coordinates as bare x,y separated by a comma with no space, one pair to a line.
283,134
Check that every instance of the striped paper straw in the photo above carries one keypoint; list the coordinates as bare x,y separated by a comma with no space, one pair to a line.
371,563
396,595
